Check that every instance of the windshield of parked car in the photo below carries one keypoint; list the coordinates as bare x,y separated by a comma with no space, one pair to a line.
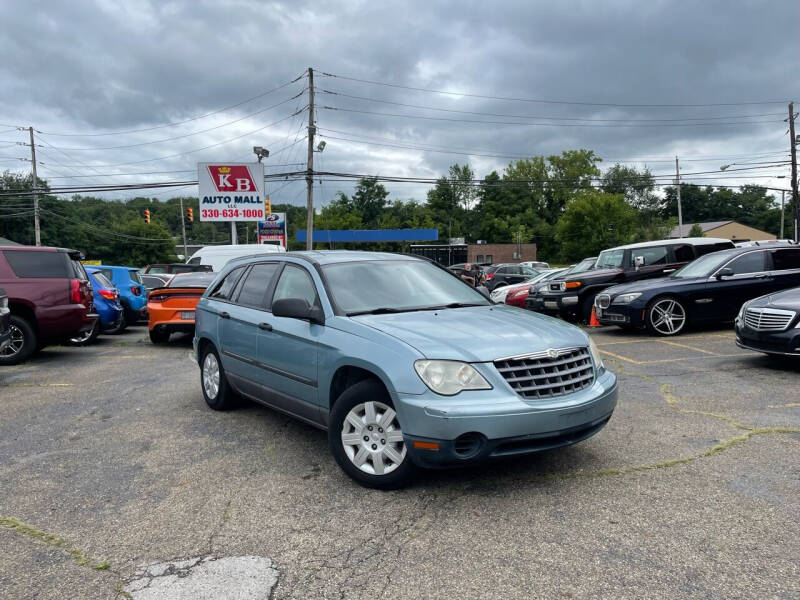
705,265
610,259
396,286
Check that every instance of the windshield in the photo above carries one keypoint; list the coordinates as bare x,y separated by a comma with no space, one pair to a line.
610,259
704,266
396,286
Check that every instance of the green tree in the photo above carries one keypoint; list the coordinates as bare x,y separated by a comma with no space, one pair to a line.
594,221
696,231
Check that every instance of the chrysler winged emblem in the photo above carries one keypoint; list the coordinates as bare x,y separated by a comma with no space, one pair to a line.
552,353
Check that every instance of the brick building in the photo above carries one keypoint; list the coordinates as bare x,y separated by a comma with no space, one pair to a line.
500,253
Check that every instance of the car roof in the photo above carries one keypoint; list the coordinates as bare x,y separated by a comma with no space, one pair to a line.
327,257
693,241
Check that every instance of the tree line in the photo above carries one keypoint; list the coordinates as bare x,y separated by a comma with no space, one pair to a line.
563,203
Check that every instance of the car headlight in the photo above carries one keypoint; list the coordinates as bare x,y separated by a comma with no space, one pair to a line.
740,316
595,352
626,298
449,377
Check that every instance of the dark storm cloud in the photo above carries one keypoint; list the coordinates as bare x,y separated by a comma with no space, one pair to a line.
93,67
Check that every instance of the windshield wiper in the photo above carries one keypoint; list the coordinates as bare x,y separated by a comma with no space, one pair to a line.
461,304
383,310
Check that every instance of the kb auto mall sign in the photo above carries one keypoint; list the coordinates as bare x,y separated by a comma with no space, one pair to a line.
231,192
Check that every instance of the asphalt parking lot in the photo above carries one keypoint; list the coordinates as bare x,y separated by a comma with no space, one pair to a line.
110,462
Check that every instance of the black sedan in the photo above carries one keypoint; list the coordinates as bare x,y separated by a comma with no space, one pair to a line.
709,289
771,324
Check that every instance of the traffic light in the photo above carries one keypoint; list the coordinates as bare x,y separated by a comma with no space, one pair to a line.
190,214
268,205
146,215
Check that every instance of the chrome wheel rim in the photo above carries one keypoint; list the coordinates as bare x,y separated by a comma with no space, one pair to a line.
667,316
16,343
211,375
372,438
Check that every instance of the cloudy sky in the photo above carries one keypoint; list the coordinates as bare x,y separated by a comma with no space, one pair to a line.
136,91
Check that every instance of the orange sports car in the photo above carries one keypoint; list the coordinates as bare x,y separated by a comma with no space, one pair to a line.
171,307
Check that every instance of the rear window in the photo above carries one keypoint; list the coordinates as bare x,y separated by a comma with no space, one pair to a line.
26,263
653,255
191,280
786,259
135,275
102,280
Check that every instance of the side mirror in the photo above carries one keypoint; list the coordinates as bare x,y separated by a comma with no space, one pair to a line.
726,272
298,308
638,262
484,292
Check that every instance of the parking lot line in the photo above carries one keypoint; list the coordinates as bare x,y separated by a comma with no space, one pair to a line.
687,346
625,358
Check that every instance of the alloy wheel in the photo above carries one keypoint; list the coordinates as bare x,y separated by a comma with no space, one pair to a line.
667,316
17,341
372,438
211,375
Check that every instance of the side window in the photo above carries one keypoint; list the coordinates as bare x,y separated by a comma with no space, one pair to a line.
783,260
752,262
654,255
528,271
41,264
107,273
225,287
295,282
684,253
157,270
193,261
253,290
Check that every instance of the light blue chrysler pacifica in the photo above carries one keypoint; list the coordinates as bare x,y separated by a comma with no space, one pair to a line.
401,362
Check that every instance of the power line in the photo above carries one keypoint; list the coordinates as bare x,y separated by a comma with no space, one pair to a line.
515,116
528,124
541,101
173,124
179,137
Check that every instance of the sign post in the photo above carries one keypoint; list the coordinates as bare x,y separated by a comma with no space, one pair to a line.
231,192
273,229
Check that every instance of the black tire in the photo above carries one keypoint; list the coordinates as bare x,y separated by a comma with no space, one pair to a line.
361,393
23,347
223,397
159,335
651,316
84,339
586,307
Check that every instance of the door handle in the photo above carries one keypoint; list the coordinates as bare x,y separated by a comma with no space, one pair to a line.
225,315
265,326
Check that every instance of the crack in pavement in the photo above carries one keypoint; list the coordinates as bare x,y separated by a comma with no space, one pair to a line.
54,541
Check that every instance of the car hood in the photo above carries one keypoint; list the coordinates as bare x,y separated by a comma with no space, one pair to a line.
590,274
652,285
787,300
478,333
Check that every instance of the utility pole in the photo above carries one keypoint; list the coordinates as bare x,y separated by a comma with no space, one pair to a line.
183,226
793,146
678,187
783,195
234,241
310,163
36,230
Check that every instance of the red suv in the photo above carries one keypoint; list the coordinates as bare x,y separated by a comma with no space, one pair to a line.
49,296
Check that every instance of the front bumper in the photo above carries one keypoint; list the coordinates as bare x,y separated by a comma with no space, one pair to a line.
499,422
542,304
771,342
621,314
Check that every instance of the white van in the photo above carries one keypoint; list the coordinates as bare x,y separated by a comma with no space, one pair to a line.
218,256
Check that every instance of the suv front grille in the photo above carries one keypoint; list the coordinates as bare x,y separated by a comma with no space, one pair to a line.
768,319
548,374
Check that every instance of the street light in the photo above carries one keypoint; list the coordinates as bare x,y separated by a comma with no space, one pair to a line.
321,146
724,167
260,152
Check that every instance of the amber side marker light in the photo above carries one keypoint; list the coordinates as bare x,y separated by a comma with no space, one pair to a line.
572,285
425,445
